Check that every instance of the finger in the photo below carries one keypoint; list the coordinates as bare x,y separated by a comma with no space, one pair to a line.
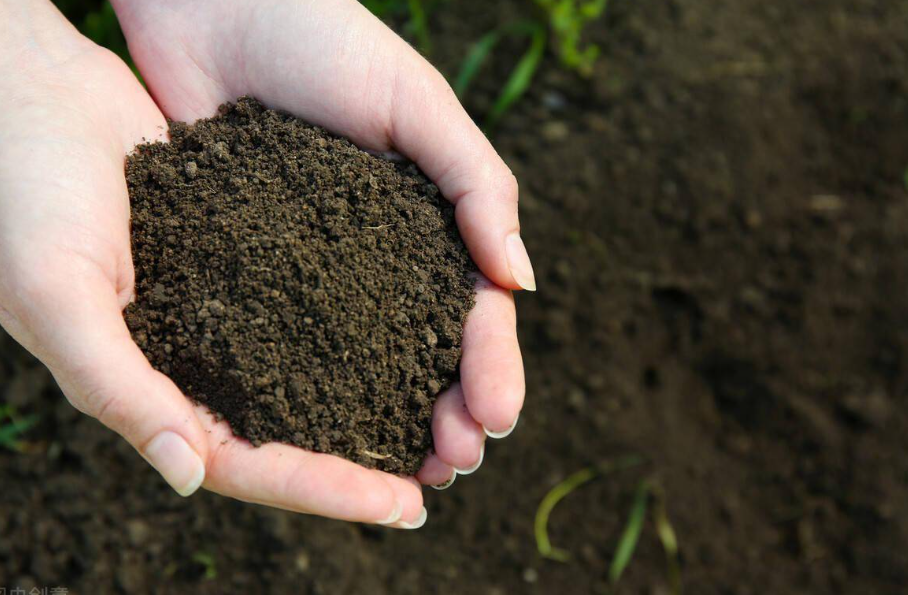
426,122
422,109
290,478
467,170
491,369
436,473
458,438
75,326
409,492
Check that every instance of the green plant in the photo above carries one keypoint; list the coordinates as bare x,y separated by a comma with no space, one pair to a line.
521,76
648,490
563,20
12,427
206,560
631,534
566,20
556,494
667,538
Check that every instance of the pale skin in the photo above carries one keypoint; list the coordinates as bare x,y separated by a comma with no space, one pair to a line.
72,111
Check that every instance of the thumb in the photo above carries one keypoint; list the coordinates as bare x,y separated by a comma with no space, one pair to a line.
78,331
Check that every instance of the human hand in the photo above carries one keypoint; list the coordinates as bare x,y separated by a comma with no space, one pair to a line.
66,267
334,64
71,112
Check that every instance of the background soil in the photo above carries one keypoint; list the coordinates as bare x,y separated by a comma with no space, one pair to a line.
720,228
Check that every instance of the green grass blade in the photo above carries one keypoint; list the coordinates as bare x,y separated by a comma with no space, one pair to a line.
543,544
631,535
206,560
474,60
520,78
668,538
556,494
482,49
593,9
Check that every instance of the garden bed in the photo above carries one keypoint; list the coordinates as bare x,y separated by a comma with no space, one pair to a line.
719,224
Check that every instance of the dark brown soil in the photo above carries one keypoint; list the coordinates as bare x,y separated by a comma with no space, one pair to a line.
719,225
304,290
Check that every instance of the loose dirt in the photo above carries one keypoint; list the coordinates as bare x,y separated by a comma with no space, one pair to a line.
304,290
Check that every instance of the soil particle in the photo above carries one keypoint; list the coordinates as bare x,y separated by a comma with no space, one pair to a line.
304,290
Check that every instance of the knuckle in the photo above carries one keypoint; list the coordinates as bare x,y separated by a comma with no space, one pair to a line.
99,404
102,405
503,185
217,462
113,412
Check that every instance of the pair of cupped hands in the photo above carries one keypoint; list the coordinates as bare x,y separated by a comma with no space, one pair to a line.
71,111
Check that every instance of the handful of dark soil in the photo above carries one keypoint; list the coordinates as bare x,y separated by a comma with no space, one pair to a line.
302,289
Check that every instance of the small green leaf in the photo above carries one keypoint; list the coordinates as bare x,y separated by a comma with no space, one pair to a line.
474,60
565,487
520,78
207,561
566,20
543,544
667,538
593,9
631,535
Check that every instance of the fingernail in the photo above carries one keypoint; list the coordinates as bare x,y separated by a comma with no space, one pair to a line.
177,463
395,514
415,524
504,433
519,262
448,483
482,452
